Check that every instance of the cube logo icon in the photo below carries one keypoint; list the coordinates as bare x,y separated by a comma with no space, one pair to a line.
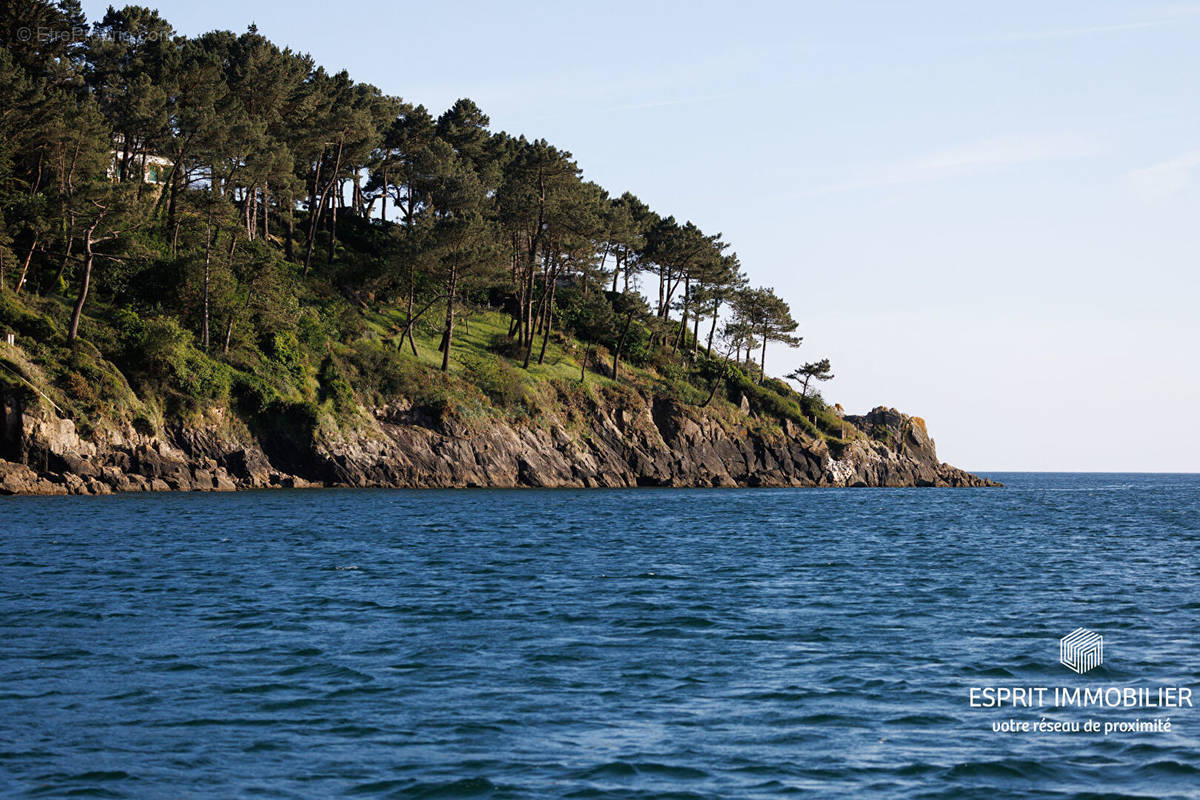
1081,650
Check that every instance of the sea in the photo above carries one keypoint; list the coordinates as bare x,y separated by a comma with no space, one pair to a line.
649,643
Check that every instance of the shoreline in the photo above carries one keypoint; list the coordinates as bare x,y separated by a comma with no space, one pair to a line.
632,442
58,487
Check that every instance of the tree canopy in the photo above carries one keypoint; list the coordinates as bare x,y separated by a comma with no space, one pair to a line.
241,195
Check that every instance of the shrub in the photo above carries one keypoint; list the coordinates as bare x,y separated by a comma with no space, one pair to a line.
283,348
24,323
335,386
496,378
504,345
252,393
767,400
636,350
202,378
390,375
143,424
160,352
383,370
589,316
80,388
311,331
161,345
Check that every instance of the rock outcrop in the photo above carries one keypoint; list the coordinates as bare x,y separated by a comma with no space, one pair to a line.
628,441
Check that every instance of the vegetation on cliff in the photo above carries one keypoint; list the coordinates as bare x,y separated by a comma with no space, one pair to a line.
216,222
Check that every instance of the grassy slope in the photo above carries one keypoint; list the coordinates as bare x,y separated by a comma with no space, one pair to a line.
165,381
473,337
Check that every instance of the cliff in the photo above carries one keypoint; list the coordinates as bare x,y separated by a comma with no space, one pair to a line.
602,439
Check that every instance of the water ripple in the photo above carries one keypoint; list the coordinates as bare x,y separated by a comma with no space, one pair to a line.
624,644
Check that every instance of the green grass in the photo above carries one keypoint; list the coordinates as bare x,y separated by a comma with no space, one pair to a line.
474,337
327,374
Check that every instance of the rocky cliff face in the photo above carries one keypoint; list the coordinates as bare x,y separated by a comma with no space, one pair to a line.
630,441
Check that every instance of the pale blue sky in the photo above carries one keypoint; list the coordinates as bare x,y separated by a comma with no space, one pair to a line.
985,215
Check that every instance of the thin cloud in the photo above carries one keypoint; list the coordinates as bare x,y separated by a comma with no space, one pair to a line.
663,103
1092,29
1172,16
969,159
1166,177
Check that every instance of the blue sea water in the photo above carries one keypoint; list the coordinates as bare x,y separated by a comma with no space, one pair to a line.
594,644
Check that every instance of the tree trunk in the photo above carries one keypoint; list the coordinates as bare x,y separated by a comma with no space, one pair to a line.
717,383
539,319
661,289
712,331
449,319
334,202
549,318
621,344
208,241
583,364
66,259
539,316
316,201
174,193
291,234
763,364
85,284
383,199
25,267
204,329
526,337
316,208
683,321
232,249
408,324
123,169
232,317
251,203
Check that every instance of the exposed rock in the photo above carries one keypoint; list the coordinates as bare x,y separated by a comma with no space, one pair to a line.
610,443
20,479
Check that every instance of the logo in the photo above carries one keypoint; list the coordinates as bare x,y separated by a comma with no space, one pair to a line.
1081,650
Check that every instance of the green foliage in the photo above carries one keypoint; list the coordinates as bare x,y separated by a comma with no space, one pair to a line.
882,433
335,387
383,371
678,381
311,331
767,399
387,375
504,345
249,286
495,377
25,323
252,393
159,354
283,349
638,345
589,317
203,378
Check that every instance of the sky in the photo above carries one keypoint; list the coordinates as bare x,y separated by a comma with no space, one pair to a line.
986,215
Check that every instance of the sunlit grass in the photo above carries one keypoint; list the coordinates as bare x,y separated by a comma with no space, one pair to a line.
474,335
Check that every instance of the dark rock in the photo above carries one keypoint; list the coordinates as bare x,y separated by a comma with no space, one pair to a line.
609,443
